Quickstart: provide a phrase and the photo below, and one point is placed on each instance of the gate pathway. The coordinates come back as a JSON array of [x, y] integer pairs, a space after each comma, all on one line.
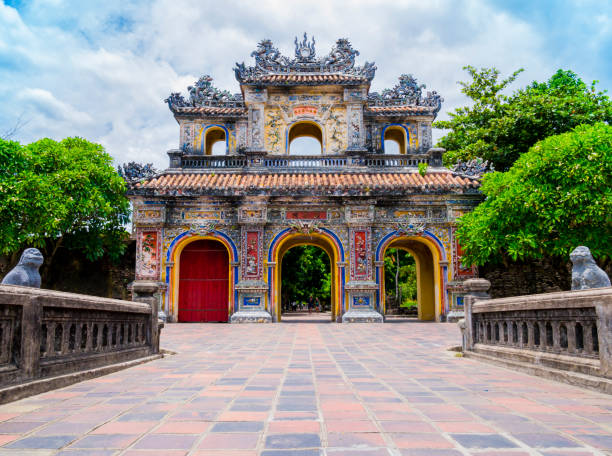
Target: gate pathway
[[311, 389]]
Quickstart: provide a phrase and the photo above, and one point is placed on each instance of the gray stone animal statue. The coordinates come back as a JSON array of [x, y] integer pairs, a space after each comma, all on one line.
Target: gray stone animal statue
[[26, 272], [585, 272]]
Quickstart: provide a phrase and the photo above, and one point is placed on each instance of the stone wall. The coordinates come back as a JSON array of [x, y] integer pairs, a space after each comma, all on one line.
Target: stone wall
[[531, 277], [74, 273]]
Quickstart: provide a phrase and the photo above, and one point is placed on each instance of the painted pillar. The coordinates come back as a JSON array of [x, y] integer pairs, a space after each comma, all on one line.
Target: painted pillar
[[361, 287], [251, 287]]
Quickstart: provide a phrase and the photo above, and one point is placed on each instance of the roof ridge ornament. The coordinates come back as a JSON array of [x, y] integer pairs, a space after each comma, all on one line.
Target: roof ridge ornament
[[268, 60], [204, 93], [304, 51], [406, 92]]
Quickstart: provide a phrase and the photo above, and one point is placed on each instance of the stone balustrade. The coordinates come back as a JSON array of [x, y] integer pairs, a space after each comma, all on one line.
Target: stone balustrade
[[45, 333], [570, 330], [306, 162]]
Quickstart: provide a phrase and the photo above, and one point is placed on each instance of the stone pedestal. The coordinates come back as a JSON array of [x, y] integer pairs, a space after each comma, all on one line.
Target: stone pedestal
[[251, 303], [361, 303]]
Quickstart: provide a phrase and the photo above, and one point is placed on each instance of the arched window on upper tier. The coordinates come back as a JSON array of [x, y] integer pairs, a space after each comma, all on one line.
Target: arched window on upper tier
[[215, 141], [395, 140], [305, 138]]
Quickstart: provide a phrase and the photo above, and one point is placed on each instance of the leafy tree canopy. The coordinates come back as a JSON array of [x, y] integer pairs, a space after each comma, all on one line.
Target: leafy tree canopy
[[556, 197], [499, 128], [63, 193]]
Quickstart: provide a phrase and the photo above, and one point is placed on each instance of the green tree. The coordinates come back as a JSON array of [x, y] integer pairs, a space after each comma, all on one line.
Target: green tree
[[500, 128], [61, 194], [555, 197]]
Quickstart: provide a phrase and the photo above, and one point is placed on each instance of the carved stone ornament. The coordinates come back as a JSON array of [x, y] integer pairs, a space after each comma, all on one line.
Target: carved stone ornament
[[268, 59], [26, 272], [203, 93], [305, 227], [410, 228], [585, 272], [204, 229], [406, 92], [474, 168], [133, 172]]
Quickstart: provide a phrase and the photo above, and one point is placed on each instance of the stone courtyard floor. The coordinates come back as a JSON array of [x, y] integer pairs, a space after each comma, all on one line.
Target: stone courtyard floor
[[311, 388]]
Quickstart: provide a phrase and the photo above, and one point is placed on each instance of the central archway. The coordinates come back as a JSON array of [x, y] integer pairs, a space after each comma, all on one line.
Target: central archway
[[288, 239]]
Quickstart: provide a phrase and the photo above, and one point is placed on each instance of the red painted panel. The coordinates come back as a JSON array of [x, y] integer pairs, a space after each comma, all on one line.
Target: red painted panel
[[203, 282]]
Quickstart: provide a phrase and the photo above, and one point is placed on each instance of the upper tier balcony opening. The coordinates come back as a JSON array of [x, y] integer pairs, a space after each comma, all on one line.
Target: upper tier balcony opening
[[305, 138], [215, 141], [395, 140]]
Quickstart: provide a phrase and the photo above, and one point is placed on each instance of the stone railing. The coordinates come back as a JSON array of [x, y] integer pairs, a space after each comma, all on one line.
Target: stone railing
[[570, 330], [46, 333], [295, 163]]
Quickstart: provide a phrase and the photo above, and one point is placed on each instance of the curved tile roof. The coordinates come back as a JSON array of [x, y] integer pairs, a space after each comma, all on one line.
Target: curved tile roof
[[311, 183]]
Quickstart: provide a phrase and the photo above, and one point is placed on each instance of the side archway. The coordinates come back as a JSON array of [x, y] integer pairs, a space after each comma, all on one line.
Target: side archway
[[428, 254], [326, 240], [173, 268]]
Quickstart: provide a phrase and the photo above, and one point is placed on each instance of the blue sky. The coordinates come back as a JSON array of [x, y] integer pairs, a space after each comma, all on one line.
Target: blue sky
[[101, 70]]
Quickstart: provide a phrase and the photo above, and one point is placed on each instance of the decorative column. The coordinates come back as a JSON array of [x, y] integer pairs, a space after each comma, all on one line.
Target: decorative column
[[148, 223], [251, 288], [361, 287], [255, 99], [355, 101]]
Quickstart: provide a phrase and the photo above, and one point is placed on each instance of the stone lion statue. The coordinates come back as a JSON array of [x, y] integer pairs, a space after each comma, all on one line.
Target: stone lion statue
[[26, 272], [585, 272]]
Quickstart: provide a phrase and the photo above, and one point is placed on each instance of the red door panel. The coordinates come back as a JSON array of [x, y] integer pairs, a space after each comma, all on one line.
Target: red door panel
[[203, 282]]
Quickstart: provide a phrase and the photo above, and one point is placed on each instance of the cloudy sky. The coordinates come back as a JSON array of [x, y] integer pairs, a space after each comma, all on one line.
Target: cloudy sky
[[101, 69]]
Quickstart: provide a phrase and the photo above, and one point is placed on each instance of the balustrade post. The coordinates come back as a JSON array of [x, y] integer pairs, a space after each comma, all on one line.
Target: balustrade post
[[476, 289], [31, 321], [146, 291], [530, 335], [588, 338], [604, 335], [556, 327]]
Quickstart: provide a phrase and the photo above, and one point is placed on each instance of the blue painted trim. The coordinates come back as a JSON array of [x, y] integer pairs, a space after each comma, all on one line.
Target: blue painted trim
[[203, 143], [187, 233], [382, 136], [429, 234]]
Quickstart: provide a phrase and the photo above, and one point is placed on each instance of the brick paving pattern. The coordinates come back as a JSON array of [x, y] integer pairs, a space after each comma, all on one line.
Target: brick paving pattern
[[311, 388]]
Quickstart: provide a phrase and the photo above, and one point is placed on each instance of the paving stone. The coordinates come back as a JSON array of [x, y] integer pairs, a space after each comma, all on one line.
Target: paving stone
[[542, 440], [287, 441], [50, 441], [483, 441], [238, 426], [166, 442]]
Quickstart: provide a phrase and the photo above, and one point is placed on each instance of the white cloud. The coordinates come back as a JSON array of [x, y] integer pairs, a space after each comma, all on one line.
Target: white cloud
[[101, 70]]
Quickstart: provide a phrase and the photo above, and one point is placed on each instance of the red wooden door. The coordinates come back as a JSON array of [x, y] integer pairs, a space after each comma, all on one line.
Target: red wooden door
[[203, 282]]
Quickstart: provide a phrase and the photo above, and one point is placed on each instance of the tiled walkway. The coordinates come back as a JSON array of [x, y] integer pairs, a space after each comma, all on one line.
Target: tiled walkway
[[311, 389]]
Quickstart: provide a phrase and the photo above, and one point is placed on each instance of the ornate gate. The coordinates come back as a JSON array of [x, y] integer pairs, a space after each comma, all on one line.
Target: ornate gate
[[203, 283]]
